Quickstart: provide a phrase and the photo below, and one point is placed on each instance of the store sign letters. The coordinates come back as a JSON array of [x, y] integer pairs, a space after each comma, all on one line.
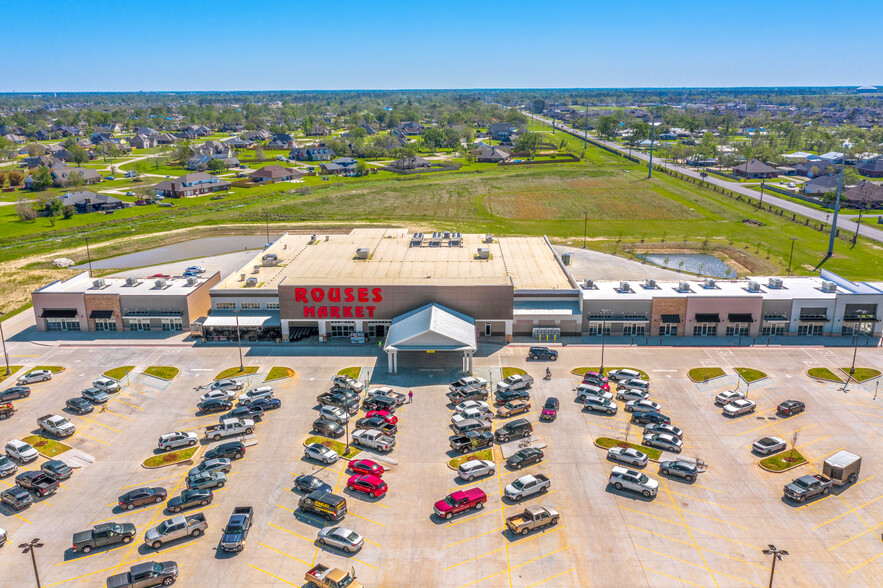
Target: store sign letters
[[350, 302]]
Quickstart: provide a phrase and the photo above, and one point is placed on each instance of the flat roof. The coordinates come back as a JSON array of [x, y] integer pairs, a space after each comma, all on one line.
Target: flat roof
[[393, 259], [793, 288], [83, 284]]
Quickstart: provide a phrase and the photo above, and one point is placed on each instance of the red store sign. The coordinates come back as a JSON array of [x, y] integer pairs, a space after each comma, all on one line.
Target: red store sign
[[344, 302]]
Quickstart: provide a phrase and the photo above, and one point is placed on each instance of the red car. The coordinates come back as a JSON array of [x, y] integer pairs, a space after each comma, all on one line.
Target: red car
[[366, 466], [370, 485], [596, 379], [165, 276], [386, 416], [460, 501]]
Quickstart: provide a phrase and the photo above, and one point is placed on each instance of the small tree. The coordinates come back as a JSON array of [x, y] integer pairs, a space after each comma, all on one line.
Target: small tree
[[68, 211], [259, 152], [25, 211], [42, 178], [2, 179], [75, 179], [15, 177], [35, 149], [78, 154], [216, 166]]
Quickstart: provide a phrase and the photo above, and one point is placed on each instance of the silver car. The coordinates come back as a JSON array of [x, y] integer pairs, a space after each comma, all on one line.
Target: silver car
[[217, 464], [663, 441], [475, 468], [682, 469], [728, 396], [664, 428], [321, 453], [740, 407], [7, 466], [768, 445], [227, 385], [342, 538], [598, 404], [632, 394], [333, 413], [35, 376], [628, 455], [642, 405], [623, 374]]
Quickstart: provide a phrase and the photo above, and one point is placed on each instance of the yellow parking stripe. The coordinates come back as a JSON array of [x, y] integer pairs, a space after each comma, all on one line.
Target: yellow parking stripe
[[514, 567], [313, 541], [106, 426], [733, 558], [364, 563], [460, 522], [365, 518], [274, 575], [133, 511], [861, 564], [729, 539], [740, 579], [93, 554], [128, 404], [673, 577], [695, 485], [475, 537], [701, 500], [651, 516], [813, 441], [689, 563], [689, 532], [82, 434], [475, 558], [660, 535], [77, 577], [285, 554], [116, 414], [284, 508], [551, 578], [371, 542], [850, 511], [142, 484]]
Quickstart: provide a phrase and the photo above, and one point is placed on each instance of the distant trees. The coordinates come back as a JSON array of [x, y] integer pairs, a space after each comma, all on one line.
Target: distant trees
[[78, 154], [16, 177], [2, 179], [42, 178], [25, 211], [35, 149], [216, 166], [607, 126], [75, 179], [528, 142]]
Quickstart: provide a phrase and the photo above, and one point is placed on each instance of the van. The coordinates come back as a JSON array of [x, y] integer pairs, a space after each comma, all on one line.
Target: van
[[624, 478], [634, 384], [329, 506]]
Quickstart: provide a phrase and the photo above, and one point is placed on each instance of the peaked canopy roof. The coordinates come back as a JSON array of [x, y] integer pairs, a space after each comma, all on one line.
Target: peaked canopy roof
[[431, 328]]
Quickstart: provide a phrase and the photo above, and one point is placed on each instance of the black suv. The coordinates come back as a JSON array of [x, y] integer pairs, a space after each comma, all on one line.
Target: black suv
[[380, 403], [537, 353], [214, 405], [229, 450], [516, 428], [328, 428], [508, 395]]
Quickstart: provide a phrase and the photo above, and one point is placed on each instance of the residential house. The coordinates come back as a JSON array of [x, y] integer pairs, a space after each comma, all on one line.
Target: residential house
[[143, 141], [212, 150], [668, 136], [369, 129], [282, 141], [320, 152], [16, 139], [259, 135], [60, 175], [166, 139], [196, 130], [815, 167], [872, 168], [67, 130], [821, 184], [98, 138], [233, 127], [109, 129], [85, 201], [755, 170], [408, 129], [501, 130], [275, 173], [64, 155], [865, 194], [47, 160], [490, 154], [42, 135], [318, 131], [147, 131], [191, 185], [415, 162], [239, 143], [331, 168]]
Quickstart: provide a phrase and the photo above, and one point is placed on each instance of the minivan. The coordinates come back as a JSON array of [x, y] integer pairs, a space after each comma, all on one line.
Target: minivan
[[537, 353], [624, 478]]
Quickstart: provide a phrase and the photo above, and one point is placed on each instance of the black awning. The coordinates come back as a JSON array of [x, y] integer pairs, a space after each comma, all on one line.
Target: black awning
[[814, 318], [776, 318], [708, 318], [671, 319], [59, 313], [101, 314], [735, 317]]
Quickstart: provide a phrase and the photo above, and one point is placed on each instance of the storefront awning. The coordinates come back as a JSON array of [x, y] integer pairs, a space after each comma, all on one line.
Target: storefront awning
[[671, 319], [708, 318], [776, 318], [247, 318], [101, 314], [59, 313], [431, 328], [735, 317], [526, 308]]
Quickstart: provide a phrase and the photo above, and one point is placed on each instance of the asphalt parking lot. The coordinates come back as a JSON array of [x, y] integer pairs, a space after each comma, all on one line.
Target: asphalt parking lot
[[707, 533]]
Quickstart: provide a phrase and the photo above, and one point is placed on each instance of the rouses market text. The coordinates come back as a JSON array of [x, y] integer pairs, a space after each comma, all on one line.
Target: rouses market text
[[314, 297]]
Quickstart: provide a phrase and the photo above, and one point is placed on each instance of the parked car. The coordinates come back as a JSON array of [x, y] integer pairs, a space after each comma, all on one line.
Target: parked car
[[217, 464], [538, 353], [515, 382], [309, 484], [106, 384], [513, 430], [628, 455], [265, 404], [533, 517], [663, 441], [476, 468], [550, 409], [102, 536], [468, 393], [510, 395], [17, 498], [664, 428], [56, 425], [632, 394], [236, 531], [350, 403], [806, 487], [524, 457], [683, 469], [623, 374], [248, 411], [146, 575], [206, 480], [769, 445], [348, 382], [791, 407], [328, 428], [463, 426], [385, 415], [141, 496], [728, 396], [190, 498], [513, 408], [650, 417], [636, 385], [228, 385], [255, 393], [174, 528], [14, 393], [168, 441], [342, 538], [623, 478], [7, 466], [740, 407], [95, 396], [459, 502], [18, 449], [79, 405], [334, 413], [7, 409], [227, 450], [598, 404], [526, 486], [321, 453], [37, 482], [214, 405], [596, 379], [471, 441], [367, 484], [224, 394], [35, 376], [322, 576], [642, 406], [389, 394], [467, 382], [366, 466], [195, 269], [473, 412], [373, 439], [57, 469], [584, 391], [325, 504]]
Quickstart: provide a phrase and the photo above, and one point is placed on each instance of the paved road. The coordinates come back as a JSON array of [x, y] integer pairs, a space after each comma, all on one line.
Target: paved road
[[842, 223]]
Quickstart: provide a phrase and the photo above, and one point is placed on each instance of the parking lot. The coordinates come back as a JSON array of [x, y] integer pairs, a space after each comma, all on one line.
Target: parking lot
[[707, 533]]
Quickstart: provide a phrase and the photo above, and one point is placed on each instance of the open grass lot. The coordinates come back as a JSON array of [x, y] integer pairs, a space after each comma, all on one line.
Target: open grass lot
[[783, 461], [235, 372], [750, 374], [278, 373], [702, 374], [48, 448], [171, 458], [823, 374], [862, 374]]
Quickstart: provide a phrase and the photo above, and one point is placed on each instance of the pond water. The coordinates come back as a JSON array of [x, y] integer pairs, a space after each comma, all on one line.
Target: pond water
[[204, 247], [694, 263]]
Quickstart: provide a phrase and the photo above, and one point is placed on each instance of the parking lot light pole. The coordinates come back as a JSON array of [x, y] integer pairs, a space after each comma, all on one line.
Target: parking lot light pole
[[604, 314], [30, 547], [791, 256], [239, 341], [88, 256], [3, 340], [585, 227], [777, 554]]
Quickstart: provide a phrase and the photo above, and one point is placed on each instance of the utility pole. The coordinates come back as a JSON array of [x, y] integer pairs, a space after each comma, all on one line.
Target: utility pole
[[585, 228], [604, 313], [586, 129], [837, 205], [762, 183], [790, 257], [3, 340], [267, 219], [652, 138], [30, 547], [777, 554], [89, 256], [858, 225]]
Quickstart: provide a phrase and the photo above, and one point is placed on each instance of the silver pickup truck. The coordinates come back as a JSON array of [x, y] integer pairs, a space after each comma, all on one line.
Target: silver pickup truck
[[175, 528]]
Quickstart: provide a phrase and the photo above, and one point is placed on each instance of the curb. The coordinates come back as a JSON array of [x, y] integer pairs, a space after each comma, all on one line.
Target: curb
[[595, 442], [189, 459], [823, 380]]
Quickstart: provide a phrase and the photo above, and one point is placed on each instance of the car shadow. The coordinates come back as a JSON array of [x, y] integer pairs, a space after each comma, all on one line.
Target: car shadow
[[622, 464], [679, 479], [68, 410], [361, 497], [636, 496], [145, 549], [312, 520], [221, 554], [71, 555], [335, 550]]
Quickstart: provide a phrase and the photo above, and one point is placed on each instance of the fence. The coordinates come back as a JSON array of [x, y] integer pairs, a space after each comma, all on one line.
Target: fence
[[559, 158], [423, 170]]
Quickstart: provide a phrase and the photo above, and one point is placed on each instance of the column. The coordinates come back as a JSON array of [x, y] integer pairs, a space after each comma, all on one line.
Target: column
[[323, 328], [285, 330], [360, 326], [390, 363], [395, 361], [509, 328], [470, 362]]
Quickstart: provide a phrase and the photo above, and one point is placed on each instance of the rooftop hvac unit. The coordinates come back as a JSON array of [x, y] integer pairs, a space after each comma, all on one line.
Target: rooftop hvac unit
[[99, 283], [589, 284], [709, 283], [435, 242], [447, 234], [362, 253], [457, 235], [241, 277], [625, 287], [192, 280], [256, 269], [437, 235], [683, 286], [650, 284], [270, 259], [565, 258], [454, 242], [418, 236], [130, 281], [754, 286], [775, 283], [327, 237], [314, 238], [160, 283], [829, 286], [251, 282], [484, 253], [488, 238]]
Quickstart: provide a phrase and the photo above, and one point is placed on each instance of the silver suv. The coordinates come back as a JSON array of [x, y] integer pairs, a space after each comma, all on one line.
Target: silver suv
[[475, 468], [623, 478]]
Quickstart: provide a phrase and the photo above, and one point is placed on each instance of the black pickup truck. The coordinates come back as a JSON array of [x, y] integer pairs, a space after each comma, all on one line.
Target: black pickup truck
[[471, 441], [37, 482]]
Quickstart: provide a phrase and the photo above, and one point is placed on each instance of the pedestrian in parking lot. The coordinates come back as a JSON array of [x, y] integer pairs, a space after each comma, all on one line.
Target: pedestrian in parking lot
[[410, 396]]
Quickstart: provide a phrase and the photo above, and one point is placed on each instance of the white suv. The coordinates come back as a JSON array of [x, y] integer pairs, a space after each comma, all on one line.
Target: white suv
[[475, 468], [633, 480], [178, 439], [255, 393], [634, 384], [321, 453], [106, 384], [18, 449], [586, 390]]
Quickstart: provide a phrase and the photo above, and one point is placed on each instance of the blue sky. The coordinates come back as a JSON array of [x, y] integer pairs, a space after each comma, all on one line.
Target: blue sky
[[269, 45]]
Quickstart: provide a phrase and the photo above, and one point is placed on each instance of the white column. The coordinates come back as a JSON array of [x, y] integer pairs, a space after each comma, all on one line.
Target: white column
[[395, 361], [360, 326], [390, 367], [509, 326], [323, 328], [285, 331]]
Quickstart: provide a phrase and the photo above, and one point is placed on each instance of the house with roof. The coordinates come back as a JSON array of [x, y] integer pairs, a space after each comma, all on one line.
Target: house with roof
[[67, 130], [872, 168], [275, 173], [85, 201], [109, 128], [209, 150], [16, 139], [42, 135], [166, 139], [320, 152], [501, 130], [61, 175], [490, 154], [821, 184], [408, 129], [865, 194], [148, 131], [815, 167], [318, 131], [330, 168], [192, 184], [282, 141], [755, 170], [415, 162], [143, 141], [239, 143], [99, 138], [47, 160], [259, 135]]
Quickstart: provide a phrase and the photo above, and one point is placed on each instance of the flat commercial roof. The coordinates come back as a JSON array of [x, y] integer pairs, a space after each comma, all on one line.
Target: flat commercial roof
[[83, 284], [792, 288], [524, 262]]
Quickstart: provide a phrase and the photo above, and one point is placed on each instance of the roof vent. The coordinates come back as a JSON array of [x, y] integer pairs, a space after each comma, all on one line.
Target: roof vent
[[484, 253], [625, 287], [435, 241], [241, 277], [650, 284], [775, 283], [589, 284], [362, 253], [829, 286], [131, 281], [192, 280], [754, 286], [488, 238], [709, 284], [447, 235], [270, 259], [256, 269], [99, 283], [161, 283], [683, 286]]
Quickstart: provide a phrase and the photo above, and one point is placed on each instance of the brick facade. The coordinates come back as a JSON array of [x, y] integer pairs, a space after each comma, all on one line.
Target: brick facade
[[663, 306], [103, 302]]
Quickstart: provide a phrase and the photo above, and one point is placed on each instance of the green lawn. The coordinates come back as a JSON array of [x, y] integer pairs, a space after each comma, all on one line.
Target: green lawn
[[338, 446], [12, 370], [55, 369], [164, 372], [862, 374], [278, 373], [165, 459], [513, 371], [824, 374], [118, 373], [706, 373], [607, 443], [487, 454], [750, 374], [48, 448], [352, 372], [580, 371], [234, 372], [783, 461]]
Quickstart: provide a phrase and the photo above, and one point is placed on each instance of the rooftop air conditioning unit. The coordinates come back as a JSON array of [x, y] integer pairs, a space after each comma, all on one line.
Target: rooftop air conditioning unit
[[683, 286], [256, 269], [484, 253], [754, 286], [625, 287], [99, 283], [160, 283], [589, 284], [314, 238], [251, 282], [775, 283], [447, 234], [650, 284], [829, 286], [488, 238], [131, 281], [362, 253], [241, 277], [709, 283], [192, 280]]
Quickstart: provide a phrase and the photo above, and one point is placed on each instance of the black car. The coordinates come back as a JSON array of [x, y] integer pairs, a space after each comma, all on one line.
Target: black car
[[524, 457], [650, 416], [537, 353], [265, 403], [79, 405], [380, 403], [244, 412], [214, 405], [309, 484], [189, 499], [328, 428], [791, 407], [16, 497], [15, 393], [509, 395], [513, 429], [141, 496], [229, 450], [378, 423], [57, 469]]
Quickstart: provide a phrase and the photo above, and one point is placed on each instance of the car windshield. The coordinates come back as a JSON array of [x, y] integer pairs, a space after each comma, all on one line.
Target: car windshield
[[25, 447], [352, 536], [801, 483], [518, 484], [234, 528], [345, 581], [163, 527], [642, 479]]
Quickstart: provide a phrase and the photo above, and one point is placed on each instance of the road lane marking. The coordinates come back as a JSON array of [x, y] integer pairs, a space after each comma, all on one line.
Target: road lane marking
[[475, 537], [312, 541], [673, 577], [551, 577], [285, 554], [274, 575], [861, 564], [701, 500]]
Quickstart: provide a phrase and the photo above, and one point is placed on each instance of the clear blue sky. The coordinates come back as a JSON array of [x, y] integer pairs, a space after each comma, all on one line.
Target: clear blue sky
[[78, 45]]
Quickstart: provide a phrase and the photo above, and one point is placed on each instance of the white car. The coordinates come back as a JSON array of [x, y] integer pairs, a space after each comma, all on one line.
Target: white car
[[475, 468], [740, 406], [628, 395], [623, 374], [18, 449], [35, 376], [623, 478], [479, 404], [664, 428], [333, 413], [628, 455], [663, 441], [728, 396], [586, 390], [458, 419], [768, 445], [473, 413], [228, 385], [642, 405], [255, 393], [106, 384], [221, 394], [177, 439], [321, 453], [598, 404]]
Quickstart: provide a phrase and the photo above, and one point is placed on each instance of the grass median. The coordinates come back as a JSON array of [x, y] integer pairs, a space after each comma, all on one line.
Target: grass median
[[55, 369], [705, 373], [118, 373], [862, 374], [235, 372], [279, 373], [163, 372], [12, 370], [48, 448], [783, 461], [352, 372], [513, 371], [337, 446], [580, 371], [823, 374], [607, 443], [166, 459], [750, 374], [487, 454]]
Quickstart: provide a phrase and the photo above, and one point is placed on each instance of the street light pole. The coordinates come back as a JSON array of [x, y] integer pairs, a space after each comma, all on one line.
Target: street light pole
[[3, 340], [652, 138], [585, 228], [837, 206], [30, 547], [762, 183], [604, 313], [239, 341], [89, 256], [791, 256], [777, 554]]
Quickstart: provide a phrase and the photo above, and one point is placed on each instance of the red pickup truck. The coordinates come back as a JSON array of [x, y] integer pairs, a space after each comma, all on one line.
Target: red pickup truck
[[460, 501]]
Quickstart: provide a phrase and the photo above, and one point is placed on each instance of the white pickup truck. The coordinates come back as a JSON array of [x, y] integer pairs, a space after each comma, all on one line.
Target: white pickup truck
[[175, 528], [57, 425], [527, 486], [229, 428], [515, 382], [374, 439]]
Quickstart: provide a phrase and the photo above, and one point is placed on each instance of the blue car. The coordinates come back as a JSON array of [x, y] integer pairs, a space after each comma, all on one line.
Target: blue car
[[309, 484], [266, 403]]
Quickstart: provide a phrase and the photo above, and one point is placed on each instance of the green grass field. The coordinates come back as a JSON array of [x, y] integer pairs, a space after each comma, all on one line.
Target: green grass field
[[607, 443], [235, 372], [822, 373], [750, 374], [118, 373], [702, 374], [163, 372]]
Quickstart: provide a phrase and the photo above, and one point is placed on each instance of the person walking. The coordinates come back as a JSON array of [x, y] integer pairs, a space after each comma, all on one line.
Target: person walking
[[410, 396]]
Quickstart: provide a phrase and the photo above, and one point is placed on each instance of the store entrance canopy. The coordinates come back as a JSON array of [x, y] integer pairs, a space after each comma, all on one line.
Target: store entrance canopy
[[255, 318], [431, 328]]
